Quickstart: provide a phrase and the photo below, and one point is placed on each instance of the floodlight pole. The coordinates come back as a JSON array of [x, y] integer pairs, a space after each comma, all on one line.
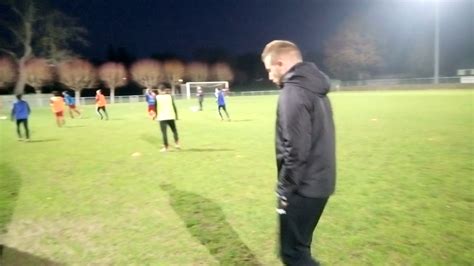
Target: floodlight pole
[[436, 44]]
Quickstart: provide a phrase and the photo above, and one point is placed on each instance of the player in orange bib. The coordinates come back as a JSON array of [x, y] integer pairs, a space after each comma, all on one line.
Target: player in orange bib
[[100, 104], [57, 106]]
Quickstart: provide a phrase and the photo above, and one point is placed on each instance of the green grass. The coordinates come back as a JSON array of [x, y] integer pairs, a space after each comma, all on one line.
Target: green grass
[[76, 195]]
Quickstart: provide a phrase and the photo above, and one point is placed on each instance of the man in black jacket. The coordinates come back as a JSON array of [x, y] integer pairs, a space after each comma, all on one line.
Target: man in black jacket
[[305, 148]]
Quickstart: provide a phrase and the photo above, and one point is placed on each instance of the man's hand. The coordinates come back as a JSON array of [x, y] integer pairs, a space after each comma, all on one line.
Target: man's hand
[[282, 204], [283, 201]]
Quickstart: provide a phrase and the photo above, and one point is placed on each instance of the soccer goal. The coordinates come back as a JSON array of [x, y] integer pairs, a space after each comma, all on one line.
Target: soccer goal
[[207, 87]]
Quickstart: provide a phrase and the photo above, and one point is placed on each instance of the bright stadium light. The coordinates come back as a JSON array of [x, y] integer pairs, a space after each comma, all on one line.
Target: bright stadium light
[[436, 40], [436, 43]]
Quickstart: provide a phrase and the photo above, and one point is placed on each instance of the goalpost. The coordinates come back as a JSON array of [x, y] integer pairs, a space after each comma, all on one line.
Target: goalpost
[[206, 86]]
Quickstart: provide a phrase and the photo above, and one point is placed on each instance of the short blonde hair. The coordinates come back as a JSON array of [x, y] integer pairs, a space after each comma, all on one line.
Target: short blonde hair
[[279, 47]]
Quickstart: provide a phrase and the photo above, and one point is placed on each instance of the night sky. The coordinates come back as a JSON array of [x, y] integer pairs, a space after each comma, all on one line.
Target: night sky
[[146, 27]]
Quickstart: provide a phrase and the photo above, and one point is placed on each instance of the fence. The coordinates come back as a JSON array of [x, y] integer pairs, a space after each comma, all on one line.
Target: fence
[[390, 82], [42, 100]]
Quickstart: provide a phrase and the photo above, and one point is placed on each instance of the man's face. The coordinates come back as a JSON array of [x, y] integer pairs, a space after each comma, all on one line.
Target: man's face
[[274, 69]]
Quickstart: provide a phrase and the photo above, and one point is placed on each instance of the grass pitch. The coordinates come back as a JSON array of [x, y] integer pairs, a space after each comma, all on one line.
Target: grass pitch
[[100, 192]]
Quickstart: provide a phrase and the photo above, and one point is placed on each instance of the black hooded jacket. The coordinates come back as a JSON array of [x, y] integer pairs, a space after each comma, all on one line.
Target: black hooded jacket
[[305, 137]]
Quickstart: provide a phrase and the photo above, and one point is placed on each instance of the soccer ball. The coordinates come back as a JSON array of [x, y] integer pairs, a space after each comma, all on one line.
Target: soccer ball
[[194, 108]]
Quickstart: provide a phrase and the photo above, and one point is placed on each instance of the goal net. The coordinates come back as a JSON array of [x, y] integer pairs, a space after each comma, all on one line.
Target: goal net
[[208, 87]]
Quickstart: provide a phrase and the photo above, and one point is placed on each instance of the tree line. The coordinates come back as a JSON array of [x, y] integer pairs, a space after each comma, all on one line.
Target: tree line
[[78, 74], [38, 51]]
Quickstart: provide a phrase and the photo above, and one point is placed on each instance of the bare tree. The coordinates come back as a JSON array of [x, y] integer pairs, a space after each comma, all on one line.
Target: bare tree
[[222, 71], [113, 75], [174, 71], [77, 74], [38, 73], [147, 72], [197, 71], [57, 31], [27, 24], [352, 52], [8, 72], [22, 31]]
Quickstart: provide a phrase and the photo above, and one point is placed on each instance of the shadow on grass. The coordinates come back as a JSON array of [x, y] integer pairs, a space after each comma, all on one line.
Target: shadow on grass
[[10, 183], [203, 150], [206, 221], [42, 140], [152, 139], [11, 256], [155, 140], [241, 120]]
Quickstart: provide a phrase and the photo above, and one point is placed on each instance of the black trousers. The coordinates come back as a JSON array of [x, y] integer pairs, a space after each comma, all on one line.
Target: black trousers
[[225, 110], [297, 227], [25, 126], [98, 109], [200, 103], [163, 126]]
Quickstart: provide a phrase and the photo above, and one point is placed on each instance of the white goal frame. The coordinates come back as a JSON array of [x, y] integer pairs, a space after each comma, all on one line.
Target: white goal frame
[[188, 85]]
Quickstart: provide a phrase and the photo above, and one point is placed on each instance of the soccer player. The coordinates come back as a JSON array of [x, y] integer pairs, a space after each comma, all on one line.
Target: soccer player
[[20, 112], [57, 106], [220, 94], [166, 116], [200, 95], [150, 98], [100, 104], [71, 103]]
